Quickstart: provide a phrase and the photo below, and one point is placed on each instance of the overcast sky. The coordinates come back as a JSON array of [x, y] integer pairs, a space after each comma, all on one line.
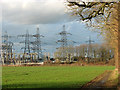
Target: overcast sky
[[49, 15]]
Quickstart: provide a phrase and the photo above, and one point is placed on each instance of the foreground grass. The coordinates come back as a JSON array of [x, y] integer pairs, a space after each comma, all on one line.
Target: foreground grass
[[50, 76]]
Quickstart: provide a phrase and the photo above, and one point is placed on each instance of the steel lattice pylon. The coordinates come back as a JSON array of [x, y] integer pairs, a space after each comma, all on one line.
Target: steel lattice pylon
[[37, 44], [7, 47], [64, 41], [26, 42], [89, 52]]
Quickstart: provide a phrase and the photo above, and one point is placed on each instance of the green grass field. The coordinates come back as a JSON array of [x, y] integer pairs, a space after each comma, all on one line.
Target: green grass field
[[50, 76]]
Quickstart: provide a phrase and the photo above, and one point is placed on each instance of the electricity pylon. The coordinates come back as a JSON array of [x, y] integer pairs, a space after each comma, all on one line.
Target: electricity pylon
[[89, 52], [7, 47], [37, 44], [64, 42], [26, 42]]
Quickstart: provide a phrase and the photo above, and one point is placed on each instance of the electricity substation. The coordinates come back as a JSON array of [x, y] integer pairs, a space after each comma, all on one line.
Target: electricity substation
[[32, 49]]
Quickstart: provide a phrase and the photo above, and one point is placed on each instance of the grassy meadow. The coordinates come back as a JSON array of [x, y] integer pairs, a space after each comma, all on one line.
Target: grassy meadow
[[50, 76]]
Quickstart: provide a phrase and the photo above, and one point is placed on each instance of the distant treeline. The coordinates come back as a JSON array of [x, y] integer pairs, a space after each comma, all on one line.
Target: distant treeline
[[89, 53]]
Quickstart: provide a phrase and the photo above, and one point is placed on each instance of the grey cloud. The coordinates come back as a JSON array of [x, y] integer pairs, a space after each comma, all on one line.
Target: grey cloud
[[35, 12]]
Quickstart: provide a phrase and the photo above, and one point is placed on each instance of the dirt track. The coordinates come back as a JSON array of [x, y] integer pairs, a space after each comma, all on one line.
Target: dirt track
[[102, 82]]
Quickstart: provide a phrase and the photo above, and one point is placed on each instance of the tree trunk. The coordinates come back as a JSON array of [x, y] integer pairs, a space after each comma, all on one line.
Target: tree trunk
[[119, 44]]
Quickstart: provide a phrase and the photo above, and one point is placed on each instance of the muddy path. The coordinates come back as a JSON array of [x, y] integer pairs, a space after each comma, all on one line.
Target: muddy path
[[105, 81]]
